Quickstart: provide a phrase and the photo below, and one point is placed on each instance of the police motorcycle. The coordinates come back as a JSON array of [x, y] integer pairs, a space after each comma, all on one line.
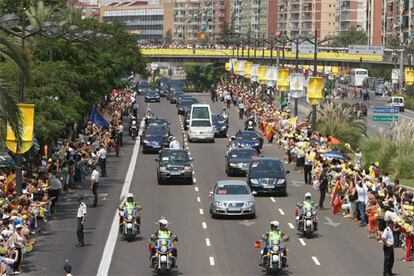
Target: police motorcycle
[[306, 218], [129, 226], [250, 124], [148, 116], [273, 255], [225, 115], [163, 251], [133, 128]]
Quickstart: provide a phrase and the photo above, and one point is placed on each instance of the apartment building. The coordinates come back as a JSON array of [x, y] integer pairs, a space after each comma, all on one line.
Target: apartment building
[[90, 8], [254, 18], [150, 20], [399, 20], [307, 17], [199, 19]]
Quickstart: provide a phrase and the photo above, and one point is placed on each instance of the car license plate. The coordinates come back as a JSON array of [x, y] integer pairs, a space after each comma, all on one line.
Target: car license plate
[[176, 173], [234, 209], [163, 258], [268, 186]]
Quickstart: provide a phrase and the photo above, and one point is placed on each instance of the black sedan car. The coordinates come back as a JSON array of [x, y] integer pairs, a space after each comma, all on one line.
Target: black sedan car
[[152, 97], [164, 91], [249, 139], [174, 164], [154, 138], [266, 175], [238, 160], [185, 98], [175, 95], [220, 126], [184, 107], [158, 121], [142, 87]]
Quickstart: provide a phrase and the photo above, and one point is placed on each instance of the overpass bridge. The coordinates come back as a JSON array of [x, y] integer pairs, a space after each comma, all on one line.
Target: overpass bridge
[[326, 58]]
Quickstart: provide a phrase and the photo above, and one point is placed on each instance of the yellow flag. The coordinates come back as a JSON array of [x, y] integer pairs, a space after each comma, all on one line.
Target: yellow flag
[[409, 76], [335, 70], [27, 111], [283, 80], [227, 66], [247, 67], [315, 90], [292, 121], [262, 74]]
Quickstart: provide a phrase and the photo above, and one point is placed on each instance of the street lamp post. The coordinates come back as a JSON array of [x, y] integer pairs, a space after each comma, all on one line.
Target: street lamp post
[[255, 48], [296, 40], [263, 49], [248, 48]]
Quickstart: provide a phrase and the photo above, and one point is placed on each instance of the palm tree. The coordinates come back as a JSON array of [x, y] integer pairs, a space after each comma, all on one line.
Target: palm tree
[[9, 112], [40, 13], [342, 122]]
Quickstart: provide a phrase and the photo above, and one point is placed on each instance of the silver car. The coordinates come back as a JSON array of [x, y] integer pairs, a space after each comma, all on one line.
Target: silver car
[[232, 198]]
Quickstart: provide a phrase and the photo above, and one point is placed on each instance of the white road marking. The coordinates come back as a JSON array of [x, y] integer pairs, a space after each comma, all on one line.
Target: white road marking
[[106, 259], [195, 181], [302, 242], [195, 188], [208, 242], [201, 211], [212, 263], [273, 199], [291, 226], [281, 212], [204, 225], [198, 199], [316, 260]]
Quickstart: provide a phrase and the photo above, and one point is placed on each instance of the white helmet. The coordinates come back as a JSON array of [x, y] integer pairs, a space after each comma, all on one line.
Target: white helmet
[[163, 222], [130, 195], [308, 195], [274, 223]]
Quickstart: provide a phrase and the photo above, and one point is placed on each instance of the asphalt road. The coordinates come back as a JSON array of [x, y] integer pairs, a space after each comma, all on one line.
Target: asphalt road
[[206, 246]]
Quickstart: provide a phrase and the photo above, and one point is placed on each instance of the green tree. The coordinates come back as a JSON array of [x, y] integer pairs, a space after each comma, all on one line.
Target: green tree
[[168, 39], [350, 37], [40, 13]]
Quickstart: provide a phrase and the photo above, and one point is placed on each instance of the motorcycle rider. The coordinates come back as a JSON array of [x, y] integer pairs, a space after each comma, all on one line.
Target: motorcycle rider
[[233, 142], [224, 114], [163, 233], [174, 144], [131, 124], [307, 204], [250, 119], [130, 203], [148, 115], [275, 235]]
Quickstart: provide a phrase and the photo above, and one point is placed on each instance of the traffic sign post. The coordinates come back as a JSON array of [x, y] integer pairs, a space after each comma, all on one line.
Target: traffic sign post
[[365, 50], [385, 114], [304, 47]]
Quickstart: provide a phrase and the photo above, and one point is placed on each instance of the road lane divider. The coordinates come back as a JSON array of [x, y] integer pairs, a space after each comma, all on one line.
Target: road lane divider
[[201, 211], [198, 199], [108, 252], [315, 260], [211, 259], [291, 226], [273, 199], [281, 212], [208, 244], [302, 242], [204, 225]]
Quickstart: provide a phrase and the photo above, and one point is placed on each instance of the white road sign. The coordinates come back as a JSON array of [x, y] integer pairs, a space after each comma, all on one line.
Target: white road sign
[[304, 48], [365, 50]]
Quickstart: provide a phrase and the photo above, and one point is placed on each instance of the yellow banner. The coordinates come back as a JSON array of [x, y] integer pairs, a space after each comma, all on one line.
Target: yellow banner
[[262, 74], [236, 67], [319, 68], [227, 66], [409, 76], [247, 67], [315, 90], [27, 111], [283, 80], [335, 70]]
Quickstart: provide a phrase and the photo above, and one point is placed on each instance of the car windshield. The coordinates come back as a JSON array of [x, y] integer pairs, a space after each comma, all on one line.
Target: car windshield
[[174, 157], [186, 103], [154, 131], [243, 154], [200, 123], [143, 85], [200, 112], [229, 189], [266, 167], [217, 118], [246, 136], [152, 93], [158, 121]]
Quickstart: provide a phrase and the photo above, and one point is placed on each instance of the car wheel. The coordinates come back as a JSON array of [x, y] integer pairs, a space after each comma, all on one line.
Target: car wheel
[[212, 140], [213, 215], [284, 193], [189, 139], [160, 181], [252, 216]]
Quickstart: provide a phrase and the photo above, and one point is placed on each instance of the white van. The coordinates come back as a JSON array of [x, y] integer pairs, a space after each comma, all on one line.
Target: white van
[[200, 127], [398, 102], [357, 76]]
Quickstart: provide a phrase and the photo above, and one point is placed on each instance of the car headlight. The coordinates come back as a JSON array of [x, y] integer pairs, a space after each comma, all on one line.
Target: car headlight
[[163, 249], [233, 165], [275, 248], [163, 169], [308, 214], [219, 203], [129, 217], [254, 181], [145, 141], [223, 127], [256, 144], [249, 203], [280, 181], [187, 168]]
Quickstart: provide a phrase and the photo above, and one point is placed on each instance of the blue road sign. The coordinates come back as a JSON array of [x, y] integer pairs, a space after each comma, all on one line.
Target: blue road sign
[[387, 110]]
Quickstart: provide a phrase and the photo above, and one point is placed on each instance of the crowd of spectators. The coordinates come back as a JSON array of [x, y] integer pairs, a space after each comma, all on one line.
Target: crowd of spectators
[[359, 191], [62, 168]]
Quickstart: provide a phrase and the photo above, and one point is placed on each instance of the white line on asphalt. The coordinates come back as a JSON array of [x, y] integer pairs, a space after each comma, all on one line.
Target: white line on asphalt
[[302, 242], [204, 225], [113, 232], [189, 153], [281, 212], [291, 226], [316, 260], [195, 188], [273, 199], [212, 263], [208, 242], [198, 199], [193, 172], [201, 211], [195, 181]]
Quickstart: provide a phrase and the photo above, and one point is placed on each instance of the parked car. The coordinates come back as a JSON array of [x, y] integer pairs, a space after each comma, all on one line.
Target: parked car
[[174, 165]]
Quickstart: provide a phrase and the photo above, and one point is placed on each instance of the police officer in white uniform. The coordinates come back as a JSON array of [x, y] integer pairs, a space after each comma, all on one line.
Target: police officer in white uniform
[[81, 217]]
